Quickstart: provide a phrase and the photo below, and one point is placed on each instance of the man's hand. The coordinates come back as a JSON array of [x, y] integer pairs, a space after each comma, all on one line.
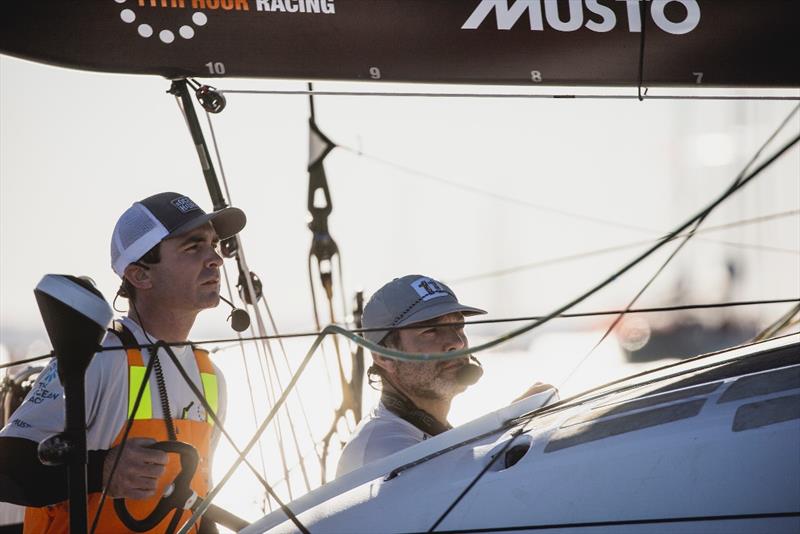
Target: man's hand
[[137, 472], [538, 387]]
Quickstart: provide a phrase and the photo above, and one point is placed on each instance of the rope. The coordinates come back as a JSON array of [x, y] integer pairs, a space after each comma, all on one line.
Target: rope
[[262, 329], [739, 181], [525, 419], [128, 425], [736, 182], [326, 252], [268, 385], [583, 398], [454, 354], [218, 423], [247, 375], [617, 248], [787, 320], [643, 19], [658, 309], [407, 94]]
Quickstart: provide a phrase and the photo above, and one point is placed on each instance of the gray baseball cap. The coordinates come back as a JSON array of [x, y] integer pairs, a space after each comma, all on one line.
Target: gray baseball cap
[[414, 298]]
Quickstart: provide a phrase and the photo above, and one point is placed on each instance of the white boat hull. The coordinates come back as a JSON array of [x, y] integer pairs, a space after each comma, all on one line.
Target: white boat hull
[[715, 449]]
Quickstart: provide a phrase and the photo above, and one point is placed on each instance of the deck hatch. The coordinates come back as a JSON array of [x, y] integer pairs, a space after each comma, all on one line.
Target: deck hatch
[[762, 384], [594, 430], [636, 403], [767, 412]]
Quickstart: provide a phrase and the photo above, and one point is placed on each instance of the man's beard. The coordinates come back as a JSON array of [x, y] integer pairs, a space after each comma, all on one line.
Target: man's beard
[[437, 382]]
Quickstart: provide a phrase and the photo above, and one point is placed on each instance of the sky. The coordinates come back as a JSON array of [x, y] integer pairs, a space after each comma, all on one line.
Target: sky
[[452, 188], [501, 183]]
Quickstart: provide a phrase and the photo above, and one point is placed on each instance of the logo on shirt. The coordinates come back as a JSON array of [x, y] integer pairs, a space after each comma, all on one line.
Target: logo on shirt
[[19, 423]]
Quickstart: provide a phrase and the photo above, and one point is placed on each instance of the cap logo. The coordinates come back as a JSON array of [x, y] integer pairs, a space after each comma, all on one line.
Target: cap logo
[[428, 288], [184, 204]]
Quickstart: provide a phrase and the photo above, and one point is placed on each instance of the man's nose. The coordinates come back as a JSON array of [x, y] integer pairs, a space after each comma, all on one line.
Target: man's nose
[[456, 340], [214, 260]]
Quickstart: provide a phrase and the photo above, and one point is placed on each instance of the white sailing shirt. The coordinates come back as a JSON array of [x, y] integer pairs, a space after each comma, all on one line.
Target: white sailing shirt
[[382, 433], [378, 435], [41, 415]]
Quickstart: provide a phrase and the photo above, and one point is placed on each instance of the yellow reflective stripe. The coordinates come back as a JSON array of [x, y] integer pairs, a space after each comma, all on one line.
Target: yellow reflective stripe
[[211, 392], [135, 379]]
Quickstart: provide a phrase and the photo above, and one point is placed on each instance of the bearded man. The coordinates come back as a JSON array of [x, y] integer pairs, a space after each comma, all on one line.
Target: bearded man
[[415, 395]]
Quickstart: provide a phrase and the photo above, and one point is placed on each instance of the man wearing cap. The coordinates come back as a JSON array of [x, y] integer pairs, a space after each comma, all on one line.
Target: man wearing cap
[[165, 250], [415, 396]]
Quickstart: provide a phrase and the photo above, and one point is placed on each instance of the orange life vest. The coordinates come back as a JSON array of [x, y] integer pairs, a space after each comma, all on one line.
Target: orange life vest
[[54, 519]]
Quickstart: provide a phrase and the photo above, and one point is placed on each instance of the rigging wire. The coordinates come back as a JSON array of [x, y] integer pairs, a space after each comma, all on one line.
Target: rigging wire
[[630, 304], [247, 377], [151, 363], [230, 297], [787, 320], [50, 354], [657, 309], [326, 248], [498, 196], [283, 396], [500, 454], [292, 431], [737, 180], [519, 331], [262, 330], [128, 425], [207, 407], [318, 326], [280, 337], [356, 382], [329, 266], [407, 94], [298, 397], [375, 348], [597, 252], [268, 386], [492, 194], [270, 390], [218, 199], [539, 207], [741, 179], [643, 18], [584, 397]]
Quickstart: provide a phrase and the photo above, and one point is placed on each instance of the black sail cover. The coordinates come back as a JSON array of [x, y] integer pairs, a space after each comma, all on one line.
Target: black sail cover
[[733, 43]]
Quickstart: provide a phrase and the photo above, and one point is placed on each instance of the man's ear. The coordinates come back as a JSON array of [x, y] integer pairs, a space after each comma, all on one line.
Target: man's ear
[[387, 364], [138, 276]]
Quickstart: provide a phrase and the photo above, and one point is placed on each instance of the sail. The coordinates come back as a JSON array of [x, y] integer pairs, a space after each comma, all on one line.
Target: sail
[[735, 43]]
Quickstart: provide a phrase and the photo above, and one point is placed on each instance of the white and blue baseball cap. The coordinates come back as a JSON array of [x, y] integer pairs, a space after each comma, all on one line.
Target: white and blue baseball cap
[[148, 222]]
